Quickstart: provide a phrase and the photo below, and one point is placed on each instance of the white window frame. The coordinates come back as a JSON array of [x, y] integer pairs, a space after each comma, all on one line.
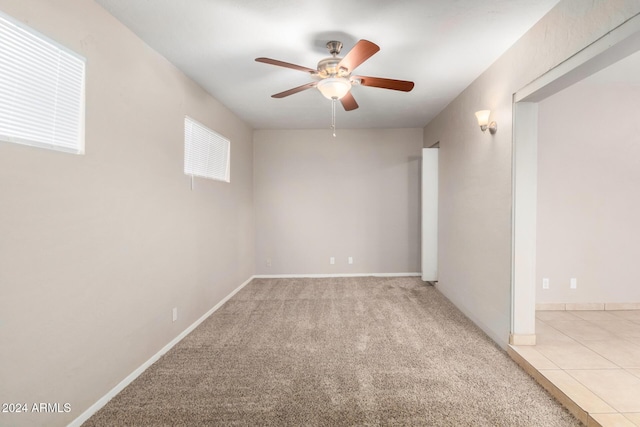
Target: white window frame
[[207, 154], [42, 90]]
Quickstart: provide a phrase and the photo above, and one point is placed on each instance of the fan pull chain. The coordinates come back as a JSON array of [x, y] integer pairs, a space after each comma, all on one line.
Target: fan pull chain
[[333, 115]]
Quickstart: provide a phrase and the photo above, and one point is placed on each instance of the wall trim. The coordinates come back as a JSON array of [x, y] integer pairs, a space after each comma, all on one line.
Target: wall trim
[[519, 339], [135, 374], [561, 306], [458, 302], [301, 276]]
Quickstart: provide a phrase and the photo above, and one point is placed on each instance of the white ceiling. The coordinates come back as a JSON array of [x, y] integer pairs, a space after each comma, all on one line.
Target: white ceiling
[[441, 45]]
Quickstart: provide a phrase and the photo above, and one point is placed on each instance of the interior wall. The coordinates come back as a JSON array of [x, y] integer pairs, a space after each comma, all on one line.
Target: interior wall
[[357, 195], [475, 178], [588, 203], [96, 250]]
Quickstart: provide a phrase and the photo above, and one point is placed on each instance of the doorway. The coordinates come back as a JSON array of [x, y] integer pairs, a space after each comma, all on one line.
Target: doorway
[[609, 49]]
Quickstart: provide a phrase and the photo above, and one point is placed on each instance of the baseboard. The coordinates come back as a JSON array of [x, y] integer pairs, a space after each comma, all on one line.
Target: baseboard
[[551, 306], [520, 339], [301, 276], [459, 303], [588, 306], [622, 306], [135, 374]]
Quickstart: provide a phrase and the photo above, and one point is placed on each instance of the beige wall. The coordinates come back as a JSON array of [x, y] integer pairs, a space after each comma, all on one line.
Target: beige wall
[[356, 195], [475, 168], [96, 250], [588, 200]]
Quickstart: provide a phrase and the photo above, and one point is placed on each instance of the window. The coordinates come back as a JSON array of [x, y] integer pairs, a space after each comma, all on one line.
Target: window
[[41, 90], [206, 153]]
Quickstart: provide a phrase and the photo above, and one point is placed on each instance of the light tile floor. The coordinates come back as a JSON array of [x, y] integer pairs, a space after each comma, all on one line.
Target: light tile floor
[[590, 361]]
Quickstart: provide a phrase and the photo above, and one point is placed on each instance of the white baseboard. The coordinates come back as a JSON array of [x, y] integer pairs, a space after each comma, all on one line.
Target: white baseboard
[[622, 306], [301, 276], [520, 339], [135, 374], [588, 306]]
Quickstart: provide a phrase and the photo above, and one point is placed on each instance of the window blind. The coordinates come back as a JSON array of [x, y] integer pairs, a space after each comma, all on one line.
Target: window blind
[[206, 153], [42, 88]]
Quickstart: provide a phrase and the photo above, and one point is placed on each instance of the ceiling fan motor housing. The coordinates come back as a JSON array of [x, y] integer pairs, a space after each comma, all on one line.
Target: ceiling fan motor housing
[[328, 67]]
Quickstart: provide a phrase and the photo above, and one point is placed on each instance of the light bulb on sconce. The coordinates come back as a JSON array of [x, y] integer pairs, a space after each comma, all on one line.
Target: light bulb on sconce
[[483, 121]]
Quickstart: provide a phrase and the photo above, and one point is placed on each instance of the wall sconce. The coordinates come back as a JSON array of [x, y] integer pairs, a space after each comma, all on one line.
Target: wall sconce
[[483, 121]]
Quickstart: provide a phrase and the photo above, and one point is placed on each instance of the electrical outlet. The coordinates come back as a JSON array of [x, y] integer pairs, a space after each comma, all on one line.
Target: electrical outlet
[[268, 262], [332, 260], [350, 260], [545, 283], [573, 284], [175, 313]]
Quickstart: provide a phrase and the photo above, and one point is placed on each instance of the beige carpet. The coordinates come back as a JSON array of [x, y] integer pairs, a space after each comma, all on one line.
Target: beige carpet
[[332, 352]]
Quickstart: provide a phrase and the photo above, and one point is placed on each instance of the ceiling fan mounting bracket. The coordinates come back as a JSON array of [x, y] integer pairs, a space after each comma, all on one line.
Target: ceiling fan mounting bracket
[[334, 47]]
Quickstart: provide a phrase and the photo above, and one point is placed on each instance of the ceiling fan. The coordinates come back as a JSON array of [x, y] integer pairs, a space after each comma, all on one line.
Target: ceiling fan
[[333, 74]]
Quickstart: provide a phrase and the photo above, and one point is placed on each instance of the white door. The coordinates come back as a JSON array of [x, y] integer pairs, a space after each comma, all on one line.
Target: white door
[[430, 214]]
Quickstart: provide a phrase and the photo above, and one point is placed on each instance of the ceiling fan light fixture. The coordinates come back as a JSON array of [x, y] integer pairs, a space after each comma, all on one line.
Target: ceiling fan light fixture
[[334, 87]]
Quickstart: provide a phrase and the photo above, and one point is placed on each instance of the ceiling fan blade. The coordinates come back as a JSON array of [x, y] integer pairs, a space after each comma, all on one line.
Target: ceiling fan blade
[[348, 102], [392, 84], [362, 51], [286, 65], [294, 90]]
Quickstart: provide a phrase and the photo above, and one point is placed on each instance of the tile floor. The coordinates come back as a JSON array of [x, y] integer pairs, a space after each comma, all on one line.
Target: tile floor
[[589, 360]]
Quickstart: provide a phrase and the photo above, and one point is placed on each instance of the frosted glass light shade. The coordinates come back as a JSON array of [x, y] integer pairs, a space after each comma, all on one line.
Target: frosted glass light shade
[[483, 121], [483, 117], [334, 87]]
